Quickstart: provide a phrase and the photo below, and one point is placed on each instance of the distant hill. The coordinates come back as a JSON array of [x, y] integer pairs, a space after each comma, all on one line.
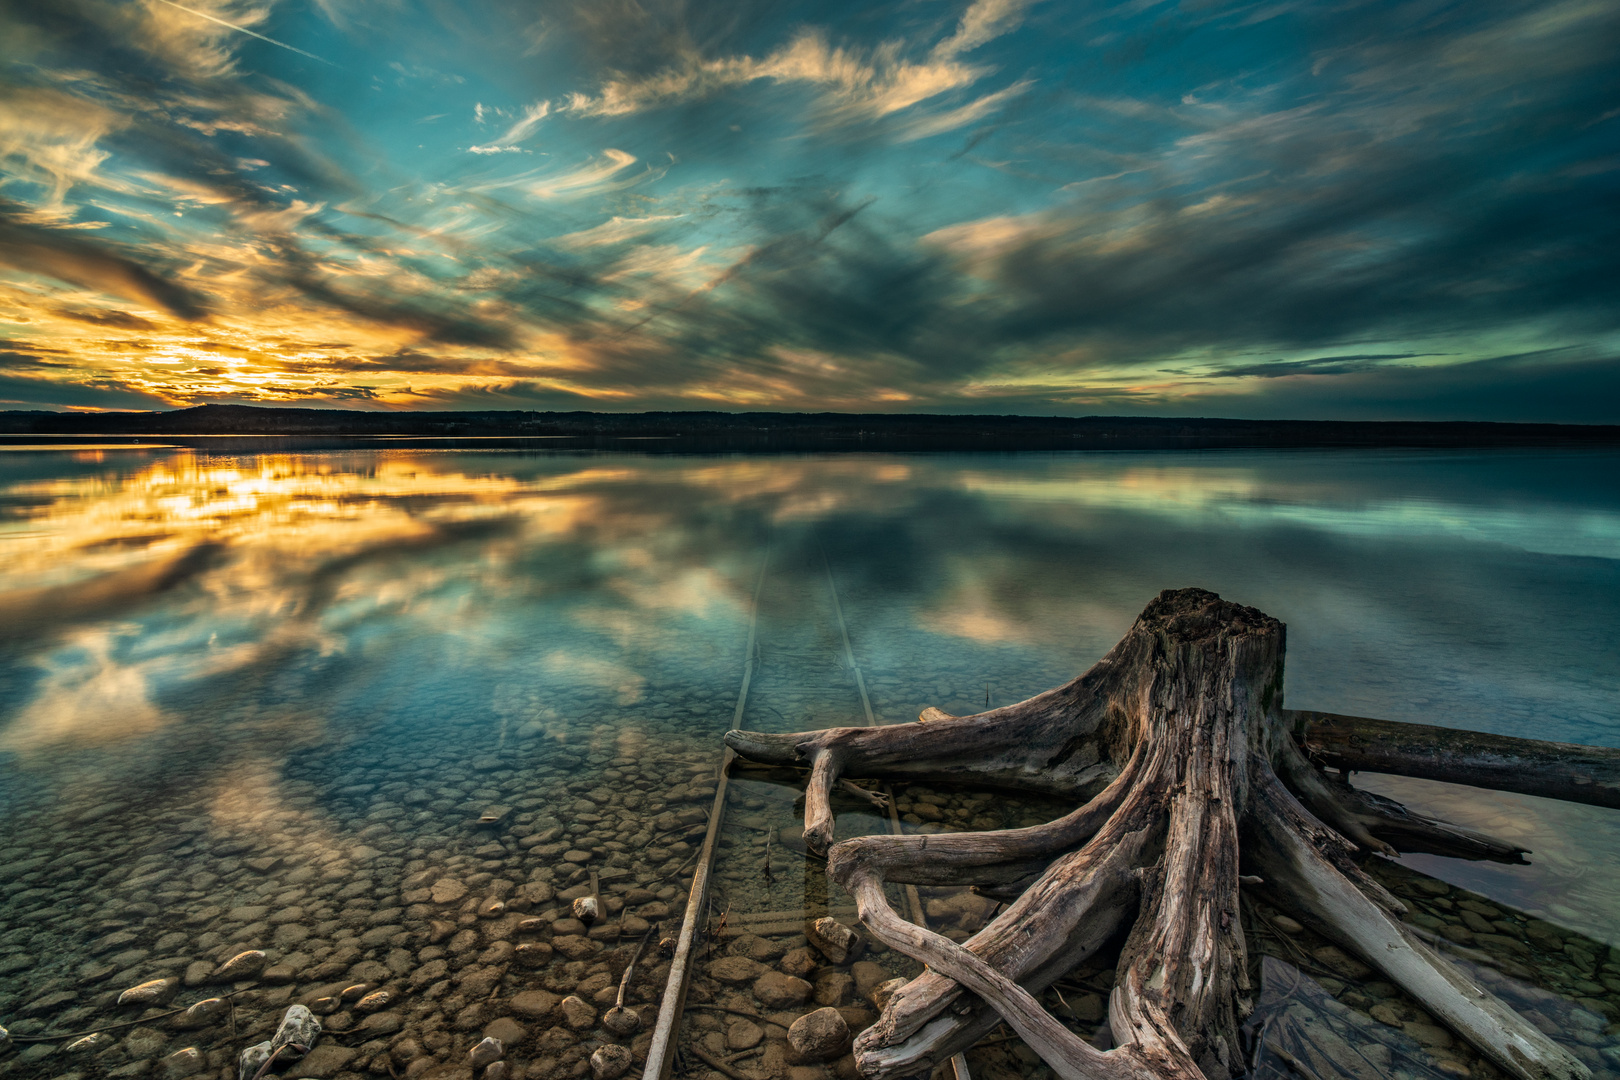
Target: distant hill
[[708, 431]]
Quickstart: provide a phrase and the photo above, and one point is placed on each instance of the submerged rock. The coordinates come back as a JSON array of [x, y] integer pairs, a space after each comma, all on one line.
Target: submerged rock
[[448, 891], [89, 1044], [610, 1062], [377, 999], [799, 962], [533, 954], [534, 1004], [244, 965], [819, 1036], [622, 1022], [251, 1060], [837, 942], [781, 991], [488, 1051], [155, 992], [202, 1014], [185, 1062], [296, 1034], [577, 1013], [743, 1035]]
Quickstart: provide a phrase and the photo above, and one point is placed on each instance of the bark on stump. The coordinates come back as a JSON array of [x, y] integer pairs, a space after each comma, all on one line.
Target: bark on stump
[[1189, 783]]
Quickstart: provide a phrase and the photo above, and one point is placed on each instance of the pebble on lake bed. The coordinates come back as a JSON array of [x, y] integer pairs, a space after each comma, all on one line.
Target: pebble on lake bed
[[202, 1014], [252, 1059], [488, 1051], [819, 1036], [186, 1062], [577, 1013], [837, 942], [244, 965], [296, 1033], [621, 1021], [89, 1044], [377, 999], [610, 1062], [155, 992]]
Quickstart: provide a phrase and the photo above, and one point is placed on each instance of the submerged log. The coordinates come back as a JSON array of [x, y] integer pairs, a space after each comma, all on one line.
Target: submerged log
[[1187, 777]]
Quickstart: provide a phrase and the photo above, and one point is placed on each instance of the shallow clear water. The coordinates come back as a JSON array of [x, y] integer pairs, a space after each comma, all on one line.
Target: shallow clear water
[[261, 700]]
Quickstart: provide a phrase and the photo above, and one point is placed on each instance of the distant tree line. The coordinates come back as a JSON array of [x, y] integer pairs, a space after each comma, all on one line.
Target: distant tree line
[[687, 431]]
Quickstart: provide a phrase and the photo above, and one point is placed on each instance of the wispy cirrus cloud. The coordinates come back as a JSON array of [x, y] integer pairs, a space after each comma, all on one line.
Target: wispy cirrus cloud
[[615, 230], [527, 123], [638, 203], [851, 85]]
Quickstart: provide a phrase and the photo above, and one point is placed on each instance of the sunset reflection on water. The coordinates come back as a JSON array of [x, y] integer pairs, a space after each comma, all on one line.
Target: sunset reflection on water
[[152, 599]]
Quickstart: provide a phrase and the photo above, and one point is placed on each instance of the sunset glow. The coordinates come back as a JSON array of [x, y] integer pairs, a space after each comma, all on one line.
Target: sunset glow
[[1378, 211]]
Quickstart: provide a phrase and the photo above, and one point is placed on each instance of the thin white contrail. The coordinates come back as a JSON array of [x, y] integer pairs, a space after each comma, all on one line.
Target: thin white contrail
[[245, 30]]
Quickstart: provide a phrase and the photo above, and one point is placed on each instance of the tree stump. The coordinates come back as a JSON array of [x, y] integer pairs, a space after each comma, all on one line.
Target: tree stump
[[1189, 785]]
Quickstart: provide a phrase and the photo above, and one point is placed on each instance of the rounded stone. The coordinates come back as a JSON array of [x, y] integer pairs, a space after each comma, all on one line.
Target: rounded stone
[[610, 1062], [89, 1044], [734, 970], [155, 992], [819, 1036], [577, 1013], [533, 954], [447, 891], [244, 965], [621, 1022], [201, 1014], [506, 1030], [743, 1035], [185, 1062], [487, 1051], [534, 1004], [779, 991]]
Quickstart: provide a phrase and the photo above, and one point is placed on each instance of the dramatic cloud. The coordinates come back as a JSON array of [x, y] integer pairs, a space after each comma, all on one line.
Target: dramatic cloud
[[1003, 205]]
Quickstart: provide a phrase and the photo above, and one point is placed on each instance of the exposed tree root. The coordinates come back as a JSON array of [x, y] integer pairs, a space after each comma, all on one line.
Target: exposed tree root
[[1184, 764]]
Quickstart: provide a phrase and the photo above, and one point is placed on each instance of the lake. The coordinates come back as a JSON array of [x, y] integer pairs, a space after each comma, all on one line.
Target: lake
[[264, 699]]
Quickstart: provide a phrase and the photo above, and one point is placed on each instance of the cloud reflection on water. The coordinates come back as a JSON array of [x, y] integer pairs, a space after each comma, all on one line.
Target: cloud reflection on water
[[186, 618], [125, 583]]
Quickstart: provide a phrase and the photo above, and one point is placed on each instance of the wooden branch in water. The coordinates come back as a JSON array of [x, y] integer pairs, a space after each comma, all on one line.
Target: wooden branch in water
[[661, 1051], [660, 1054], [1564, 771], [719, 1066]]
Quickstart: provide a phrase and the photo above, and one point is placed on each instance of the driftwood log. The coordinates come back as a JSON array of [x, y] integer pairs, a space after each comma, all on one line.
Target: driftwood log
[[1191, 780]]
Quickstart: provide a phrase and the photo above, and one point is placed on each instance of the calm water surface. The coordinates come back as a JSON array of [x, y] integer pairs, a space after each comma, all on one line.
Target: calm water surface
[[262, 699]]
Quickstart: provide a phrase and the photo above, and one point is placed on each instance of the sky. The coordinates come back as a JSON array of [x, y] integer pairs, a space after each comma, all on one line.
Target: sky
[[1356, 209]]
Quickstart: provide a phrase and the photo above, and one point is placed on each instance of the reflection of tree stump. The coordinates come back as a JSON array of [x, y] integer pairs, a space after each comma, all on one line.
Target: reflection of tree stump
[[1183, 759]]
